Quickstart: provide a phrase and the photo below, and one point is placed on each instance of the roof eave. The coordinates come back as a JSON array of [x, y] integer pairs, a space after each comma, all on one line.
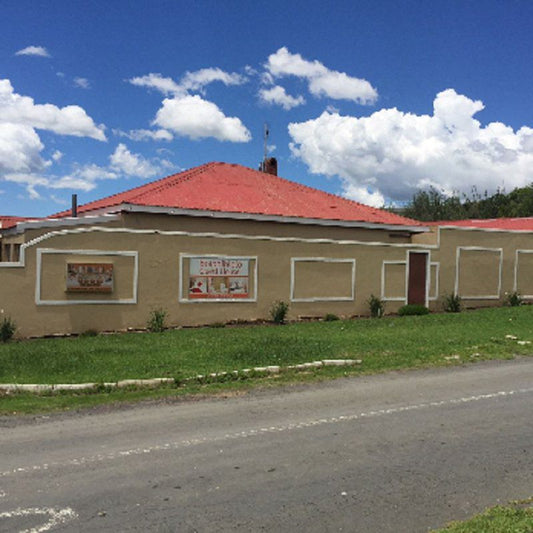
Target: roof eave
[[135, 208], [21, 227]]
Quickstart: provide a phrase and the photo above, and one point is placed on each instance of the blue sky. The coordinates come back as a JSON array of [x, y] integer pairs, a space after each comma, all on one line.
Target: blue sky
[[370, 100]]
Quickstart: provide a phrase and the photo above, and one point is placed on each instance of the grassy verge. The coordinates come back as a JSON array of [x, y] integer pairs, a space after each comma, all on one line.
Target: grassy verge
[[514, 518], [386, 344]]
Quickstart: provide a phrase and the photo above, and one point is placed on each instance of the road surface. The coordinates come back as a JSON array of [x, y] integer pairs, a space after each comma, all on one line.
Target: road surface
[[401, 452]]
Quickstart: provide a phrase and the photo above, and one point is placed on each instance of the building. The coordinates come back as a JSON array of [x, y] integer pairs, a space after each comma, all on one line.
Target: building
[[222, 242]]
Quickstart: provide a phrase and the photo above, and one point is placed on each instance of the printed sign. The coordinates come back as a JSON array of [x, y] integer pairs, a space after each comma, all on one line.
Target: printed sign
[[214, 277], [89, 277]]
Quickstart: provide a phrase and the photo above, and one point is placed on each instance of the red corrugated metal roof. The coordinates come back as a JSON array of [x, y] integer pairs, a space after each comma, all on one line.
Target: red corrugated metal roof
[[9, 221], [233, 188], [524, 223]]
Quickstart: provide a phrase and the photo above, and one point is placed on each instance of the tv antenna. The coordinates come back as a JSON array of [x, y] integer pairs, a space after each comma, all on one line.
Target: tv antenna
[[266, 133]]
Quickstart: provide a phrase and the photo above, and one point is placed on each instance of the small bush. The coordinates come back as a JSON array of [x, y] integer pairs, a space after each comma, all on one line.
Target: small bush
[[514, 299], [452, 303], [331, 317], [413, 309], [278, 312], [91, 332], [156, 321], [7, 329], [377, 306]]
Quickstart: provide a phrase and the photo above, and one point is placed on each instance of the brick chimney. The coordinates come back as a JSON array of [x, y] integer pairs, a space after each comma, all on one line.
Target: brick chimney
[[269, 166]]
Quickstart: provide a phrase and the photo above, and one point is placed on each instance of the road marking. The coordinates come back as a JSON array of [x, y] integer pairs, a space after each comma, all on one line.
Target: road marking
[[57, 517], [80, 461]]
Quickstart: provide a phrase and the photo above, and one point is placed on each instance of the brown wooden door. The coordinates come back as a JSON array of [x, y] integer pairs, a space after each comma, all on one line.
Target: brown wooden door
[[416, 290]]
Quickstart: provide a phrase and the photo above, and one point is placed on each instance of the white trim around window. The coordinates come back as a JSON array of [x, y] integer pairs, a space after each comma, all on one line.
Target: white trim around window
[[185, 256], [106, 253]]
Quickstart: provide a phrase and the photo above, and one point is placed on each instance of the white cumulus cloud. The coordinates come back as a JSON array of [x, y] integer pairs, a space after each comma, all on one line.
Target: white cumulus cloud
[[20, 149], [123, 161], [190, 81], [21, 159], [278, 95], [196, 118], [92, 173], [82, 83], [191, 115], [193, 81], [30, 181], [157, 81], [322, 81], [144, 135], [68, 120], [391, 154], [71, 182], [40, 51]]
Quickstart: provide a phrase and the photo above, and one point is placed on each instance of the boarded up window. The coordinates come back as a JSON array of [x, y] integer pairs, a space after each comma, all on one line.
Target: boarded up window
[[479, 273], [393, 280], [322, 279], [524, 273]]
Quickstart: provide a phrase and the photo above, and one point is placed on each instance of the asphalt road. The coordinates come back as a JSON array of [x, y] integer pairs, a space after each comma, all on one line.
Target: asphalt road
[[402, 452]]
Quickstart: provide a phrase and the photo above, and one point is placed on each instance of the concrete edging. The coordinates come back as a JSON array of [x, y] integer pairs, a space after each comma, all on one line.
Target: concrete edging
[[155, 382]]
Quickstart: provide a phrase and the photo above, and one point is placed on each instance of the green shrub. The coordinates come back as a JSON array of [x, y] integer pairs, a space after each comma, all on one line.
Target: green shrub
[[377, 306], [331, 317], [514, 299], [91, 332], [452, 303], [7, 328], [156, 321], [413, 309], [278, 312]]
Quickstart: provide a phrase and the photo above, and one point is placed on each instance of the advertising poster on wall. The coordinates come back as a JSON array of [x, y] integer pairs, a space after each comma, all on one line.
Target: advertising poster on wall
[[90, 277], [217, 277]]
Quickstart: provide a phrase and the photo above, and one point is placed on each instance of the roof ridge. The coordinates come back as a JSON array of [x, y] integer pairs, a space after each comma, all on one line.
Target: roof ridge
[[153, 185], [335, 196], [166, 182], [194, 171]]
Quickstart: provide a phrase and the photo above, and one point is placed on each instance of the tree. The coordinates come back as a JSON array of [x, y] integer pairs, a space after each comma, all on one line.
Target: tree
[[433, 205]]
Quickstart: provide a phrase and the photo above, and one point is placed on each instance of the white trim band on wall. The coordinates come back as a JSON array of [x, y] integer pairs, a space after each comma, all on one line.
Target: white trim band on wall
[[295, 260], [121, 253]]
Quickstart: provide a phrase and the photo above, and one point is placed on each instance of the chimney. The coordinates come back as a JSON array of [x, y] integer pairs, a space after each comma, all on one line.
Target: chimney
[[269, 166], [74, 205]]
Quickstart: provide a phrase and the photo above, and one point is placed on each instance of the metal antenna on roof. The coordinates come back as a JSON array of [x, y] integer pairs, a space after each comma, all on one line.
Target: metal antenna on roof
[[266, 133], [269, 164]]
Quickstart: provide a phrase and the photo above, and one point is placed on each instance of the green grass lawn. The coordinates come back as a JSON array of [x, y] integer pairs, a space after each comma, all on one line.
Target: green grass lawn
[[388, 343], [514, 518], [382, 344]]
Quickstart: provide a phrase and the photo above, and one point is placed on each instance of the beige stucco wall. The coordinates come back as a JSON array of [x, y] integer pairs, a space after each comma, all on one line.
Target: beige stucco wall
[[469, 262], [150, 256], [50, 309], [321, 279], [254, 227], [524, 274], [394, 280]]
